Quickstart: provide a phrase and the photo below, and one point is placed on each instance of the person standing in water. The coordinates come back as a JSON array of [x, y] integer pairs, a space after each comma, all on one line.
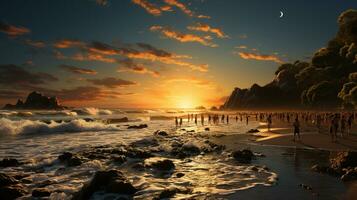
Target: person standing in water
[[247, 119], [296, 125], [227, 119], [180, 121], [176, 121], [196, 119]]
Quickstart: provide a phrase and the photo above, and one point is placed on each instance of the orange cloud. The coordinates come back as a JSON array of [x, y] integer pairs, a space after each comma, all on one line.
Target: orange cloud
[[128, 65], [12, 30], [67, 43], [78, 70], [182, 37], [203, 17], [149, 7], [181, 6], [207, 28], [90, 56], [255, 56], [36, 44]]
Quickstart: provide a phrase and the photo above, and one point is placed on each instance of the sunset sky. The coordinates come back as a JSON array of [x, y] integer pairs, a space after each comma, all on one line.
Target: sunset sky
[[154, 53]]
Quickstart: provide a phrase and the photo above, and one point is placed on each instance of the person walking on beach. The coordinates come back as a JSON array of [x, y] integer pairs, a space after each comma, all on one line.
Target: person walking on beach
[[343, 126], [296, 125], [247, 119], [227, 119], [349, 124], [334, 128], [176, 121], [269, 120], [180, 121]]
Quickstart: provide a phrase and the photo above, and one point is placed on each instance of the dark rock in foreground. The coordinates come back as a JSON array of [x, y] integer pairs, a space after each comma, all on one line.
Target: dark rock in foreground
[[253, 131], [117, 120], [141, 126], [9, 162], [36, 100], [41, 192], [10, 187], [161, 133], [112, 181], [70, 159], [163, 165], [243, 156]]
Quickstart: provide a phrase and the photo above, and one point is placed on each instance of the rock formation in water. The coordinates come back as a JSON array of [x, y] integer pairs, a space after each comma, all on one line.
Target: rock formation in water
[[36, 100], [329, 80]]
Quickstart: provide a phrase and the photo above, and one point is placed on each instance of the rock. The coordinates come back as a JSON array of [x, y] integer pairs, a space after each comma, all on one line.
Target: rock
[[161, 133], [163, 165], [167, 193], [145, 142], [74, 161], [41, 192], [36, 100], [141, 126], [139, 166], [191, 131], [350, 175], [207, 129], [70, 159], [6, 180], [191, 148], [344, 160], [9, 162], [138, 154], [65, 156], [253, 131], [117, 120], [112, 181], [12, 192], [180, 174], [243, 156], [120, 159]]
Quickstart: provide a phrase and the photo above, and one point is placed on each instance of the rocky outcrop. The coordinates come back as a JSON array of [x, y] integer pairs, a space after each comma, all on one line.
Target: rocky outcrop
[[10, 188], [243, 156], [112, 181], [35, 101]]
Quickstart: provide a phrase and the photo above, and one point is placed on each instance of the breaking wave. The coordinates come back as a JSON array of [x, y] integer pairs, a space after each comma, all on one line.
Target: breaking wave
[[21, 127]]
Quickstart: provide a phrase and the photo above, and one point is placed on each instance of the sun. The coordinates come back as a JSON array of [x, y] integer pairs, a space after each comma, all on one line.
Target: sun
[[185, 102]]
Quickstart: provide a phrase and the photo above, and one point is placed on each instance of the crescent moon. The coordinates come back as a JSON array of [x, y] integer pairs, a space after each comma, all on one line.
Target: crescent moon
[[281, 14]]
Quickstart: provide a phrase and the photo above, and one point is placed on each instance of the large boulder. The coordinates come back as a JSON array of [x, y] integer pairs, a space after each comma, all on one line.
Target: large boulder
[[112, 181], [243, 156], [163, 165], [10, 187]]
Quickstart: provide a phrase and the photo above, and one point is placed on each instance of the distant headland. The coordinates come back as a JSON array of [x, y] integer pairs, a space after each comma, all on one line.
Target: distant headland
[[36, 101]]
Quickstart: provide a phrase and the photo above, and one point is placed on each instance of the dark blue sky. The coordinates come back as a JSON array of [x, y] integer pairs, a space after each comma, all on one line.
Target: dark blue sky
[[253, 27]]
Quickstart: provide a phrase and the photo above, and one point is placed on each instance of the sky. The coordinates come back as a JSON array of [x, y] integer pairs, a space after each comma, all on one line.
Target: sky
[[154, 53]]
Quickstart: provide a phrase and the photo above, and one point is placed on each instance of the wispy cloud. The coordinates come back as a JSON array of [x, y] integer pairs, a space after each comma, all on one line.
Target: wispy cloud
[[128, 65], [207, 28], [111, 82], [36, 44], [183, 37], [203, 17], [149, 7], [181, 6], [13, 31], [241, 47], [67, 43], [98, 51], [256, 56], [78, 70]]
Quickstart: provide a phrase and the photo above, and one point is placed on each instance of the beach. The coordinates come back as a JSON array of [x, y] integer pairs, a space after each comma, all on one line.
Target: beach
[[60, 153]]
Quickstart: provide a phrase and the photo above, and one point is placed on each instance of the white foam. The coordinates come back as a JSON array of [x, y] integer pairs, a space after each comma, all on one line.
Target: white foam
[[16, 127]]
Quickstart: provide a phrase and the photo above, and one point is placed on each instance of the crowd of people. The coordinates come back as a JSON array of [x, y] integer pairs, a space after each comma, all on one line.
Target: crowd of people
[[336, 124]]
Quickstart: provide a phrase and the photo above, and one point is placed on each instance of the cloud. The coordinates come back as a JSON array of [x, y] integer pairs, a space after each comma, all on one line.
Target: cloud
[[182, 37], [243, 36], [207, 28], [13, 31], [16, 77], [98, 51], [241, 47], [181, 6], [77, 70], [194, 81], [203, 17], [149, 7], [86, 93], [67, 43], [128, 65], [36, 44], [111, 82], [255, 56]]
